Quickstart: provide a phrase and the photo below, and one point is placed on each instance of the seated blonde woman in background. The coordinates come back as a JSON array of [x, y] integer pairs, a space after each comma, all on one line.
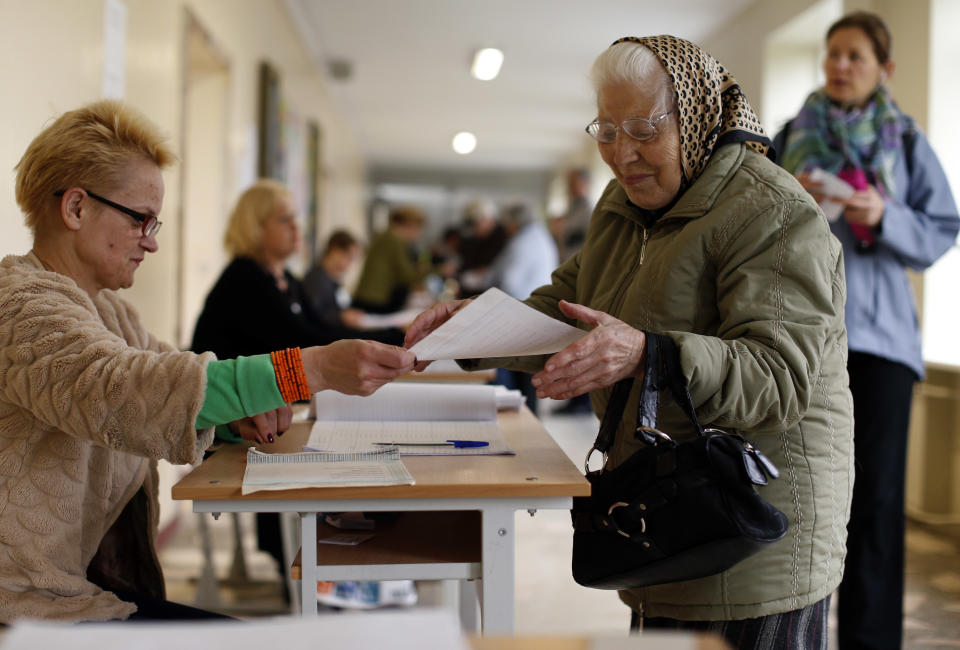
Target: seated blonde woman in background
[[257, 305], [89, 399]]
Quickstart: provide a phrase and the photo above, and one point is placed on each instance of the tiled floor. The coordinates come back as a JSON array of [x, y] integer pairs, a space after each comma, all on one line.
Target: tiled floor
[[547, 599]]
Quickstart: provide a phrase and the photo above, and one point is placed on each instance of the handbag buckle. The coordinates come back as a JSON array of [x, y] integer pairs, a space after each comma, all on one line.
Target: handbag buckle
[[624, 504], [586, 462]]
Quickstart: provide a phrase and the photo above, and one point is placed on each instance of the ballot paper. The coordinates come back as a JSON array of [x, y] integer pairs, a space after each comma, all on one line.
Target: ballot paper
[[304, 470], [496, 325], [836, 191], [410, 413]]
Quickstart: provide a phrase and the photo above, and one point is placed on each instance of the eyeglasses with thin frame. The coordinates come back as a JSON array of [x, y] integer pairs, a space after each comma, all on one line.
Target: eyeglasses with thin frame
[[638, 128], [149, 224]]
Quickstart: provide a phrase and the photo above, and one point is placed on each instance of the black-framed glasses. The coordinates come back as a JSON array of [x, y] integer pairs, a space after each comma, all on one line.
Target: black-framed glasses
[[638, 128], [149, 224]]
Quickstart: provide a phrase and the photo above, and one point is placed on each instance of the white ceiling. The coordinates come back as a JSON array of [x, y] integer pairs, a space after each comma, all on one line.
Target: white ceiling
[[411, 89]]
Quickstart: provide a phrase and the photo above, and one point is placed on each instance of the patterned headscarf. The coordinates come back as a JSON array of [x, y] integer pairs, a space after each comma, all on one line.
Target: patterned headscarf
[[712, 109], [832, 137]]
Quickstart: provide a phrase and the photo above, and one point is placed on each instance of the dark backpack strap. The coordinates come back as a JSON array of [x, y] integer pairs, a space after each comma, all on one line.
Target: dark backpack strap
[[909, 140]]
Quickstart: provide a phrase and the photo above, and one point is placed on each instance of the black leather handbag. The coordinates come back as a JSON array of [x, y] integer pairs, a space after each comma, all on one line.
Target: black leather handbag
[[673, 510]]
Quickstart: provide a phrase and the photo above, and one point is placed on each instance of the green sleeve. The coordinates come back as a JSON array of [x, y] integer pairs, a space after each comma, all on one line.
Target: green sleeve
[[238, 388]]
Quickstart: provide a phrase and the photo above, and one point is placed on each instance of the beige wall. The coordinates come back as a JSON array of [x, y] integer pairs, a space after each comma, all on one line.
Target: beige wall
[[740, 44], [43, 81]]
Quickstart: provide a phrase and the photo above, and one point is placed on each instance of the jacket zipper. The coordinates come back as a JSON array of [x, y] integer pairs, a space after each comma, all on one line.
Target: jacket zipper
[[616, 304], [643, 243], [621, 295]]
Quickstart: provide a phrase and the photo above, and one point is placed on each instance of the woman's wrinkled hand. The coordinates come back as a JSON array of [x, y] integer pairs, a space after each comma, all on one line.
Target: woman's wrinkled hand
[[263, 427], [354, 366], [611, 351], [865, 207], [430, 320]]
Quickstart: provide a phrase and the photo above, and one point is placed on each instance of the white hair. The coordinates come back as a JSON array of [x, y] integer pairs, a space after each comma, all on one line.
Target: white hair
[[633, 63]]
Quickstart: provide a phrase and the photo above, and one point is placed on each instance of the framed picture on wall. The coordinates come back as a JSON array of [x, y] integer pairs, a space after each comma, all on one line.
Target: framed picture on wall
[[271, 157], [312, 206]]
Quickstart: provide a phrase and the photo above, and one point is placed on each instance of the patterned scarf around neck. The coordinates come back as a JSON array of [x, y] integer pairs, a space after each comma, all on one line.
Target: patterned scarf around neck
[[712, 109], [833, 138]]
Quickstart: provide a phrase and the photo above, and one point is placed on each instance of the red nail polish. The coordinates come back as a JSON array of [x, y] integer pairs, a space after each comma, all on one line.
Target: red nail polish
[[270, 437]]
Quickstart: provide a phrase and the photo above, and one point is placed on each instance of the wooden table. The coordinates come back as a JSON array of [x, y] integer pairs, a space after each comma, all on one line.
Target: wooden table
[[539, 476]]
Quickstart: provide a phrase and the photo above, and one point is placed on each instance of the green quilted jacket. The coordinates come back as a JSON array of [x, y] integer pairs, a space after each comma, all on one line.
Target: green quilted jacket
[[744, 274]]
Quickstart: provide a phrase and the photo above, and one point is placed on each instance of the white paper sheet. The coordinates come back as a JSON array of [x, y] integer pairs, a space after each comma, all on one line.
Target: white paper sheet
[[835, 188], [357, 436], [410, 401], [496, 325]]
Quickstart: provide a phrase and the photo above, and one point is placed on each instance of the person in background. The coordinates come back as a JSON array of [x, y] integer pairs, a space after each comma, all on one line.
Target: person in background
[[390, 270], [484, 237], [90, 400], [701, 239], [323, 284], [525, 264], [445, 252], [901, 216], [572, 234], [257, 305], [577, 218]]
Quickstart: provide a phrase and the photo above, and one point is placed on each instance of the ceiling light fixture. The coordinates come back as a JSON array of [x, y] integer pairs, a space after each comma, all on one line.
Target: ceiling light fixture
[[486, 63], [464, 142]]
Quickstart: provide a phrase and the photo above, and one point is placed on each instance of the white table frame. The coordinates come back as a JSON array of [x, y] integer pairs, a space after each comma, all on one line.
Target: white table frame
[[498, 542]]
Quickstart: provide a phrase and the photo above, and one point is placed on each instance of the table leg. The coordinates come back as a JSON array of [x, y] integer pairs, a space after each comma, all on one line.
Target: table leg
[[308, 564], [497, 597], [467, 605]]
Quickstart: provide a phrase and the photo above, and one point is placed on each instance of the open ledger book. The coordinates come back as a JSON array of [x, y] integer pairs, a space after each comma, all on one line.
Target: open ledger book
[[304, 470], [421, 418]]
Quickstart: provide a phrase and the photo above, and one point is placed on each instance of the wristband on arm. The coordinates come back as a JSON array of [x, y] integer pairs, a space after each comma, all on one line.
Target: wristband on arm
[[291, 376]]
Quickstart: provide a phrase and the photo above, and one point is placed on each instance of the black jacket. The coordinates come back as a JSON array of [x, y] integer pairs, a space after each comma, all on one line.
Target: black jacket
[[246, 314]]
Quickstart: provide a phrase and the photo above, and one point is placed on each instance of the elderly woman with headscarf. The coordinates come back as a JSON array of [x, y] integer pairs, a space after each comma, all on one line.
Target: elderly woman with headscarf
[[700, 238], [899, 215], [90, 400]]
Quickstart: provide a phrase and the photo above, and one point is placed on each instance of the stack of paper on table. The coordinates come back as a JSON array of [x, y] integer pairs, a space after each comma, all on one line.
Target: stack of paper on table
[[304, 470], [409, 413]]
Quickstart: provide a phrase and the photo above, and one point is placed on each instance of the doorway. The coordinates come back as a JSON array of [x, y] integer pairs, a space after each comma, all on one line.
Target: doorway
[[204, 147]]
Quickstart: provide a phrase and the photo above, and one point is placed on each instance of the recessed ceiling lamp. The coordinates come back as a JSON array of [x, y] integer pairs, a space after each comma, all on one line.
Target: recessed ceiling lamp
[[486, 63], [464, 142]]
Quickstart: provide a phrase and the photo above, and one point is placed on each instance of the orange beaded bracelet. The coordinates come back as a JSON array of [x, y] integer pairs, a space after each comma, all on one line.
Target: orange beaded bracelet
[[290, 374]]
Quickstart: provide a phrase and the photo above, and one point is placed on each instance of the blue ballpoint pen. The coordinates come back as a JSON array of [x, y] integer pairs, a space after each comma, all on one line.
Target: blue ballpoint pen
[[456, 444]]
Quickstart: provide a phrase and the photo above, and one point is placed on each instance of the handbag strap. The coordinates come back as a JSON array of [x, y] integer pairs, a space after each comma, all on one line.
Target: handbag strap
[[674, 379], [662, 370]]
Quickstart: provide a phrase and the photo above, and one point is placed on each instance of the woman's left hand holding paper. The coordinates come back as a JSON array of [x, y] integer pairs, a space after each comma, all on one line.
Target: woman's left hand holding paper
[[611, 351]]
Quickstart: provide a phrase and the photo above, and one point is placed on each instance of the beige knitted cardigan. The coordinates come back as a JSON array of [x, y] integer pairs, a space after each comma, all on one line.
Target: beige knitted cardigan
[[89, 400]]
